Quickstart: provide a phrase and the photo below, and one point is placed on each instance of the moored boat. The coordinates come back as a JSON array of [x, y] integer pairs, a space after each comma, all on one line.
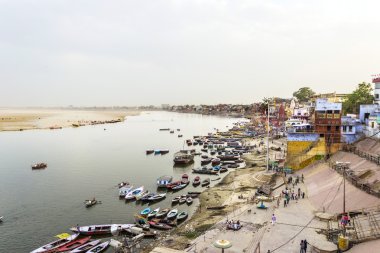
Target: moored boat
[[185, 179], [183, 158], [205, 171], [100, 229], [1, 218], [163, 181], [73, 244], [172, 214], [123, 191], [196, 181], [176, 200], [132, 194], [86, 246], [99, 248], [179, 187], [153, 213], [189, 200], [182, 216], [162, 213], [206, 182], [50, 247], [161, 226], [215, 161], [182, 200], [157, 197], [145, 212], [164, 151], [146, 197], [206, 161], [142, 195]]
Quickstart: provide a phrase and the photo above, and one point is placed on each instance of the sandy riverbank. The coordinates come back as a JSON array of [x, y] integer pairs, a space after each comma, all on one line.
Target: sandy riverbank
[[12, 119]]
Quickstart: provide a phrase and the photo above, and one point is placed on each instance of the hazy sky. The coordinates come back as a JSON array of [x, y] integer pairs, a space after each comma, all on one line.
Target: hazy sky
[[120, 52]]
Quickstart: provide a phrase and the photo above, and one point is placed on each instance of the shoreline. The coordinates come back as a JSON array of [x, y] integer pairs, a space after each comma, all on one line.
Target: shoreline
[[20, 119], [225, 193]]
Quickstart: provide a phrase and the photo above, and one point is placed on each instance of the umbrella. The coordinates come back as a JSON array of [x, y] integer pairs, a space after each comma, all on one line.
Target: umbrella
[[222, 244]]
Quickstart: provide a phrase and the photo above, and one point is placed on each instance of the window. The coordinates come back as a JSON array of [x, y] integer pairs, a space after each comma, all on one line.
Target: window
[[350, 128], [329, 128], [377, 96], [337, 128], [344, 128]]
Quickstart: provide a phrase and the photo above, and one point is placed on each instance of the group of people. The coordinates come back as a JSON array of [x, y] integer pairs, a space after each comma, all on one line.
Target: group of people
[[345, 220], [233, 225], [291, 195], [303, 246]]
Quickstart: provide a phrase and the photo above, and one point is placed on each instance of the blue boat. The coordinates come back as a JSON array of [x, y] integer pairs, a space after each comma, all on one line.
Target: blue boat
[[146, 211], [216, 168]]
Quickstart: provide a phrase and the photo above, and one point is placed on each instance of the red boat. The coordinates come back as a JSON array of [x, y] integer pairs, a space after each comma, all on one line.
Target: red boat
[[185, 179], [73, 244], [196, 181], [171, 185]]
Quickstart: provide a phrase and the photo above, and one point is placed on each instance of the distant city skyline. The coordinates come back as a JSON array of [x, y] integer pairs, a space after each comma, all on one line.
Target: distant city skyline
[[134, 53]]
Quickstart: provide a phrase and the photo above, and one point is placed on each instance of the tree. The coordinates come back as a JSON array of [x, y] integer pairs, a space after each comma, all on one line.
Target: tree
[[304, 94], [361, 96]]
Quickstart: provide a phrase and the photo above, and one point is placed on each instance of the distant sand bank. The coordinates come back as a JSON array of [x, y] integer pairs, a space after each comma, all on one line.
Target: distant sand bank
[[26, 119]]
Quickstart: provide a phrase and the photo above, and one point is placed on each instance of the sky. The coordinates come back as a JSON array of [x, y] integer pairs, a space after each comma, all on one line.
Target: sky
[[131, 53]]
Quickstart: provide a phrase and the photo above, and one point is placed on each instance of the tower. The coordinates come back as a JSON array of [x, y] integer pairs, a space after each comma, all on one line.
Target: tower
[[376, 81]]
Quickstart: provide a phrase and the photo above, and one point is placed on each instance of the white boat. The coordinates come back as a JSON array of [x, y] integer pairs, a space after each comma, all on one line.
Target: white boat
[[142, 195], [56, 244], [157, 197], [101, 229], [99, 248], [153, 213], [132, 194], [172, 214], [125, 190], [1, 218], [86, 247]]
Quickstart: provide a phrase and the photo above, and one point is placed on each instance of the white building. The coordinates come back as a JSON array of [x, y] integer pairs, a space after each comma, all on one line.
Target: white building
[[376, 81]]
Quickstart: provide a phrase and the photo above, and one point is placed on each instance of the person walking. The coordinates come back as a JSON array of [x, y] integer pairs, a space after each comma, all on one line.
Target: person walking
[[305, 245], [302, 247], [274, 219], [285, 202]]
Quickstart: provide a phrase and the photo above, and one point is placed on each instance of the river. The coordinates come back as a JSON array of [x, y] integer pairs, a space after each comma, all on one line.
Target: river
[[87, 162]]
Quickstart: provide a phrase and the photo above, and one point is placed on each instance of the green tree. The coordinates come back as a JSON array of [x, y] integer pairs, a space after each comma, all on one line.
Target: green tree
[[361, 96], [304, 94]]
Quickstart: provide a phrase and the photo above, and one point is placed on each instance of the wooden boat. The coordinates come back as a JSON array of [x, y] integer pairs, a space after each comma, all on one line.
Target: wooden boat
[[140, 221], [99, 248], [123, 191], [195, 193], [157, 197], [223, 169], [215, 161], [161, 226], [1, 218], [206, 161], [216, 179], [164, 129], [171, 223], [234, 166], [182, 216], [162, 213], [204, 156], [196, 181], [132, 194], [180, 136], [189, 200], [123, 184], [39, 166], [153, 213], [100, 229], [183, 158], [215, 207], [142, 195], [146, 197], [216, 168], [90, 202], [164, 151], [179, 187], [182, 200], [73, 244], [172, 214], [205, 171], [173, 184], [86, 247], [163, 181], [185, 179], [172, 131], [176, 200], [145, 212], [206, 182], [204, 150], [50, 247], [212, 152], [149, 151]]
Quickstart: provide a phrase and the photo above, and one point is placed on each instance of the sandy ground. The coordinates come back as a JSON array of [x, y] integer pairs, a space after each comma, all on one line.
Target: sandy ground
[[26, 119]]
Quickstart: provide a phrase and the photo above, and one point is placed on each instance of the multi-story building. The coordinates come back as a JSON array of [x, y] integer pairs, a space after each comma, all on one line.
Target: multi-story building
[[376, 81], [328, 122]]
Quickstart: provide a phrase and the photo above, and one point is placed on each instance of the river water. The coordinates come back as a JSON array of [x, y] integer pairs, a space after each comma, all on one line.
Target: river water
[[86, 162]]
